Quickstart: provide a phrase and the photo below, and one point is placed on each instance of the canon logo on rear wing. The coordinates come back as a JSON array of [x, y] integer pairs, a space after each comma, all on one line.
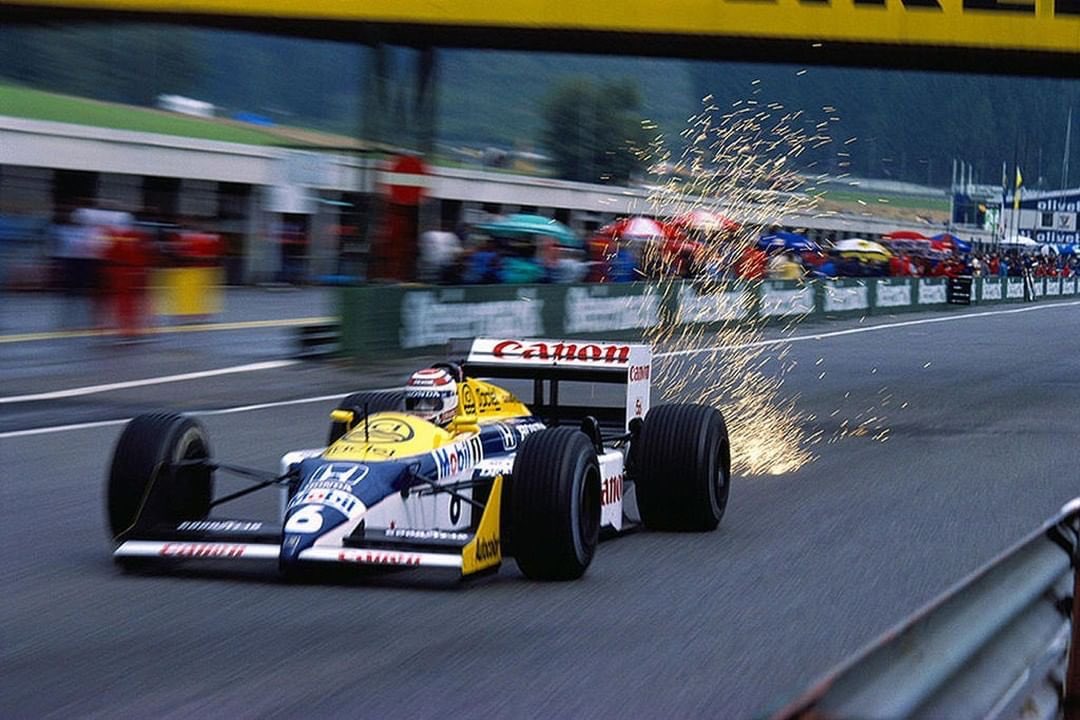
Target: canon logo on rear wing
[[561, 351]]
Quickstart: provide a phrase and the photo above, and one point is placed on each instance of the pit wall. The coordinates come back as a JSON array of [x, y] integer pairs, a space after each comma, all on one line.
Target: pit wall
[[387, 321]]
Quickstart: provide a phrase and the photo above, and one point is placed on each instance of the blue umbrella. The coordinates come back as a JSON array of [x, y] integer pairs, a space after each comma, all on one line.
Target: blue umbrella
[[523, 225], [781, 240]]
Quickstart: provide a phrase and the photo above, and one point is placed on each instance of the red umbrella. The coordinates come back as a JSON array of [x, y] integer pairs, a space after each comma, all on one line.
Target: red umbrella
[[666, 249], [705, 221], [631, 229], [635, 227], [908, 241], [604, 244], [905, 235]]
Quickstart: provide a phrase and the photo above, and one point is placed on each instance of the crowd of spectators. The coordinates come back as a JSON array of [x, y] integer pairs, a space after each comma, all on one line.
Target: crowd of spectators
[[472, 258], [476, 258], [102, 259], [756, 264]]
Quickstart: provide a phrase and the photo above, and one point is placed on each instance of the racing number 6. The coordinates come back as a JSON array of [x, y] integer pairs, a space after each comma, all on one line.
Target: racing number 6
[[307, 519]]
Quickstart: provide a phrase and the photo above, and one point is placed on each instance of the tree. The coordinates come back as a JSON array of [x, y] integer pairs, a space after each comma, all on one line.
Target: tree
[[592, 130], [910, 125]]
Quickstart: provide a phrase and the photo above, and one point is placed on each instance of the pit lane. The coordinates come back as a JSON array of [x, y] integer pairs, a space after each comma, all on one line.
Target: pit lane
[[805, 568]]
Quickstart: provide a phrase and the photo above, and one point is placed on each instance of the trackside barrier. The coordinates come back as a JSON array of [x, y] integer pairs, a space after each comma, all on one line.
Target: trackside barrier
[[1001, 644], [387, 320], [322, 340], [960, 290]]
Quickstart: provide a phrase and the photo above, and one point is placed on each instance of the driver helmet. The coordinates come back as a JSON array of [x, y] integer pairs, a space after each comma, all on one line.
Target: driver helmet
[[432, 395]]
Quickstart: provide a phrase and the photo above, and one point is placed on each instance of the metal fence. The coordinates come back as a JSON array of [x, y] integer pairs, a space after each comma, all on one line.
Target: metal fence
[[1001, 644]]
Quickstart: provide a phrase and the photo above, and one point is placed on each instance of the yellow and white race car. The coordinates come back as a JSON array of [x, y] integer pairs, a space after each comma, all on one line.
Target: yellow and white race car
[[453, 472]]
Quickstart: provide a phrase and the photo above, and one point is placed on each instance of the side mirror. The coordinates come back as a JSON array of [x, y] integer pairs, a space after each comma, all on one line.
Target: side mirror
[[345, 417]]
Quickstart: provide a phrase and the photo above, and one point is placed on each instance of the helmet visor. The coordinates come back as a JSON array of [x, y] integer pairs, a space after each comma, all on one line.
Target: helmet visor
[[424, 403]]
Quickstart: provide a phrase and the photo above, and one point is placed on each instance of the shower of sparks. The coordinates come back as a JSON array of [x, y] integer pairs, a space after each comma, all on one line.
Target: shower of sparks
[[738, 162]]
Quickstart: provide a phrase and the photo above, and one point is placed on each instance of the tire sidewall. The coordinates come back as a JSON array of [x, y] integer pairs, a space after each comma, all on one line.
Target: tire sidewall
[[712, 442], [143, 489], [554, 494], [585, 508], [682, 465]]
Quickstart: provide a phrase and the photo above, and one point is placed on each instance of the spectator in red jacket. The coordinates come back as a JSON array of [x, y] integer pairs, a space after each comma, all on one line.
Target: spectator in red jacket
[[201, 249], [752, 264], [899, 266], [128, 258]]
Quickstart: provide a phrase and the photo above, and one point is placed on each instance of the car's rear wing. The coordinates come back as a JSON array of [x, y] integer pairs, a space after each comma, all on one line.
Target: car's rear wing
[[555, 361]]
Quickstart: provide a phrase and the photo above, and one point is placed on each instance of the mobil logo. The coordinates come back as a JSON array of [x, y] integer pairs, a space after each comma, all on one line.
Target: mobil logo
[[458, 457], [343, 501]]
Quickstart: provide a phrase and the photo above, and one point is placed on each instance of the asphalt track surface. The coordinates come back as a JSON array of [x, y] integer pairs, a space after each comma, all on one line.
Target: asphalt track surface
[[805, 568]]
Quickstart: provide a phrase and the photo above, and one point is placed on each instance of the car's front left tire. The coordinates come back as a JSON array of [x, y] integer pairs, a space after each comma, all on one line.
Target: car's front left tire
[[554, 504]]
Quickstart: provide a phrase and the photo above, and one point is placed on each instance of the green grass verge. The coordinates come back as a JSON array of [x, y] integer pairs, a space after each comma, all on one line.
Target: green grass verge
[[914, 202], [37, 105]]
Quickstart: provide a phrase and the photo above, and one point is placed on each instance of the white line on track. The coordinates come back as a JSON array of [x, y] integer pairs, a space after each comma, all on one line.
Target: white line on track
[[62, 428], [761, 343], [866, 329], [94, 389], [220, 411], [165, 329]]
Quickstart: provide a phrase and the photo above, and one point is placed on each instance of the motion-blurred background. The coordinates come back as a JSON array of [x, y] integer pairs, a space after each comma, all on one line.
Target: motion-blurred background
[[289, 151]]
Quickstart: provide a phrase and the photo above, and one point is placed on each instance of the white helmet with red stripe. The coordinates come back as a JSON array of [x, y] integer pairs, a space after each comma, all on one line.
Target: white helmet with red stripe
[[432, 394]]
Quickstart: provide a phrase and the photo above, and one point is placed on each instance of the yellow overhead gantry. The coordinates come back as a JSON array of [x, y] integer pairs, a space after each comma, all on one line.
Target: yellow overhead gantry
[[1037, 36]]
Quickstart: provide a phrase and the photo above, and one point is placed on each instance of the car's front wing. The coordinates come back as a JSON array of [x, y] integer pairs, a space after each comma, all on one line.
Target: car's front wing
[[192, 550], [227, 539]]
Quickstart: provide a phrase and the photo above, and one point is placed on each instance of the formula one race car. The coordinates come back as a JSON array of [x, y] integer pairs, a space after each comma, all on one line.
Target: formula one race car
[[454, 472]]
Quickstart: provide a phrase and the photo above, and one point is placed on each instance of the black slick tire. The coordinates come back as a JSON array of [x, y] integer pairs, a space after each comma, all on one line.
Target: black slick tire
[[554, 504], [683, 473], [144, 488], [385, 401]]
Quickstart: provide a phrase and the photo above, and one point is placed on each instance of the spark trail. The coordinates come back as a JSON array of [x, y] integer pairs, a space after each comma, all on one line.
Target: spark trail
[[739, 166]]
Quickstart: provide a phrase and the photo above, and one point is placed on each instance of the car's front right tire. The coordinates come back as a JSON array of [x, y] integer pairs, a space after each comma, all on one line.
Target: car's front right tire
[[683, 473], [160, 473]]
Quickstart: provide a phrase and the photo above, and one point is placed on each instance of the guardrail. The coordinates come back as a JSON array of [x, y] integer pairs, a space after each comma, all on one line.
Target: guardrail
[[386, 320], [1001, 644]]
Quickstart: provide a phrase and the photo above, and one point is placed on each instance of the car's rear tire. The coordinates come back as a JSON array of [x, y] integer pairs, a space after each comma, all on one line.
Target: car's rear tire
[[144, 487], [554, 503], [382, 401], [683, 473]]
